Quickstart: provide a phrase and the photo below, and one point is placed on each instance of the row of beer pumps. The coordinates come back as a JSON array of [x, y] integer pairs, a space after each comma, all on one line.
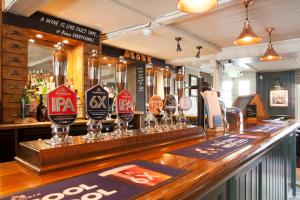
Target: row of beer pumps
[[156, 106], [62, 101]]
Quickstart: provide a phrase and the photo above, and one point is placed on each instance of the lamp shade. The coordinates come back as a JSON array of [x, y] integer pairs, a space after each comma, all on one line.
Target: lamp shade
[[196, 6], [247, 36], [270, 54]]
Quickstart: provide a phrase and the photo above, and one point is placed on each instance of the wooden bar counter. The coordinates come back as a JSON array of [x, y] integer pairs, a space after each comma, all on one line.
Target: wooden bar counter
[[264, 169]]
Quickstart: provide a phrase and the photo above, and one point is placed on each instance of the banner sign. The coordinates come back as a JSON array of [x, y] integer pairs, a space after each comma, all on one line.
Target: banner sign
[[62, 106], [155, 105], [217, 148], [53, 25], [126, 106], [96, 103], [126, 181], [170, 104], [185, 103], [140, 86], [266, 128]]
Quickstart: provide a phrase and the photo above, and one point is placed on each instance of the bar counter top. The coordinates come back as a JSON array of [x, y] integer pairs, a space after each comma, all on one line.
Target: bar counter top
[[202, 178], [10, 126]]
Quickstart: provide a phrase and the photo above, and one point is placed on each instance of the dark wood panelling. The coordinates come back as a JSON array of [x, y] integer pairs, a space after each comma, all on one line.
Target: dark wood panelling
[[11, 100], [7, 146], [14, 33], [266, 84], [15, 73], [14, 46], [273, 177], [15, 60], [13, 87]]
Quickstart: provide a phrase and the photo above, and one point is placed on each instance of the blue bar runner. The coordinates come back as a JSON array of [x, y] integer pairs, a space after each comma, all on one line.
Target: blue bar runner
[[125, 181], [266, 128], [216, 149]]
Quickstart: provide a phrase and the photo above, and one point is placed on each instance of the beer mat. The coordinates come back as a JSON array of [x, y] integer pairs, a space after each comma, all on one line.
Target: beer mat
[[125, 181], [266, 128], [216, 149]]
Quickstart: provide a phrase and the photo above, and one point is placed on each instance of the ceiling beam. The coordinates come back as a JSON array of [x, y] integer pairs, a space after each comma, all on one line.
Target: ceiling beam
[[167, 21], [23, 7]]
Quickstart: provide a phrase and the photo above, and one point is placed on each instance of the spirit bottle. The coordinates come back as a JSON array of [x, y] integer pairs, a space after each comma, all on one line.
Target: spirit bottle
[[25, 104], [41, 111]]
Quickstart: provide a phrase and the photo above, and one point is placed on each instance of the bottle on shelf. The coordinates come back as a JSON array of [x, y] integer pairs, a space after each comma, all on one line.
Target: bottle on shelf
[[41, 111], [25, 104]]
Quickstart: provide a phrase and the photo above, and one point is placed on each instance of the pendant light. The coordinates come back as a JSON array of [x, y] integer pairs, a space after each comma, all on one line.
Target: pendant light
[[247, 35], [178, 44], [196, 6], [270, 54], [198, 51]]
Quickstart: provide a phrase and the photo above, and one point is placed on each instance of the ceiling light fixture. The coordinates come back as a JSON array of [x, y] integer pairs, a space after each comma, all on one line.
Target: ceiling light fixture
[[31, 40], [147, 31], [196, 6], [39, 35], [105, 58], [270, 54], [178, 39], [198, 51], [66, 41], [247, 35]]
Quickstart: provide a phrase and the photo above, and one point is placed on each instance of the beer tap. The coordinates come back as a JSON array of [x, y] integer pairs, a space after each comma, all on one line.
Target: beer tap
[[60, 65], [96, 99], [150, 120], [166, 119], [120, 79], [181, 120], [62, 102], [167, 81]]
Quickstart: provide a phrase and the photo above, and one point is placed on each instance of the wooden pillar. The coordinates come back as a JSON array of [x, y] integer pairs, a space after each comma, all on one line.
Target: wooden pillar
[[1, 110], [14, 70], [200, 103]]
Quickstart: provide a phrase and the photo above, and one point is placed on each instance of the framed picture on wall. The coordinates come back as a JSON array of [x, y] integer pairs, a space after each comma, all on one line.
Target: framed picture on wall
[[192, 82], [279, 98]]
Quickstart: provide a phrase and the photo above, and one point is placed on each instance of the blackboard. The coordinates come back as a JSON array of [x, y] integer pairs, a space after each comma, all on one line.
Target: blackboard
[[140, 87], [251, 110], [53, 25]]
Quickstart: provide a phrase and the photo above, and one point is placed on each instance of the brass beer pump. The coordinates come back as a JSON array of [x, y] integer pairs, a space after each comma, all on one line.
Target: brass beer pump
[[166, 119], [181, 120], [60, 133], [150, 120], [94, 126], [121, 80]]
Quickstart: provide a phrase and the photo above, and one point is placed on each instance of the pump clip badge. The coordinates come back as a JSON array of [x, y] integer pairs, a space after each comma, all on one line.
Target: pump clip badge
[[185, 103], [62, 106], [126, 106], [96, 103], [170, 104], [155, 104]]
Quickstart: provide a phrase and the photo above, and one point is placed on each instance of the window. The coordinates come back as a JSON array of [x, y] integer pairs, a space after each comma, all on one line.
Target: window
[[226, 95], [243, 87]]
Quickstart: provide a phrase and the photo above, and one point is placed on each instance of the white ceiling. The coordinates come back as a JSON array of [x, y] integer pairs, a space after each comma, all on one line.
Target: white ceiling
[[217, 28]]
